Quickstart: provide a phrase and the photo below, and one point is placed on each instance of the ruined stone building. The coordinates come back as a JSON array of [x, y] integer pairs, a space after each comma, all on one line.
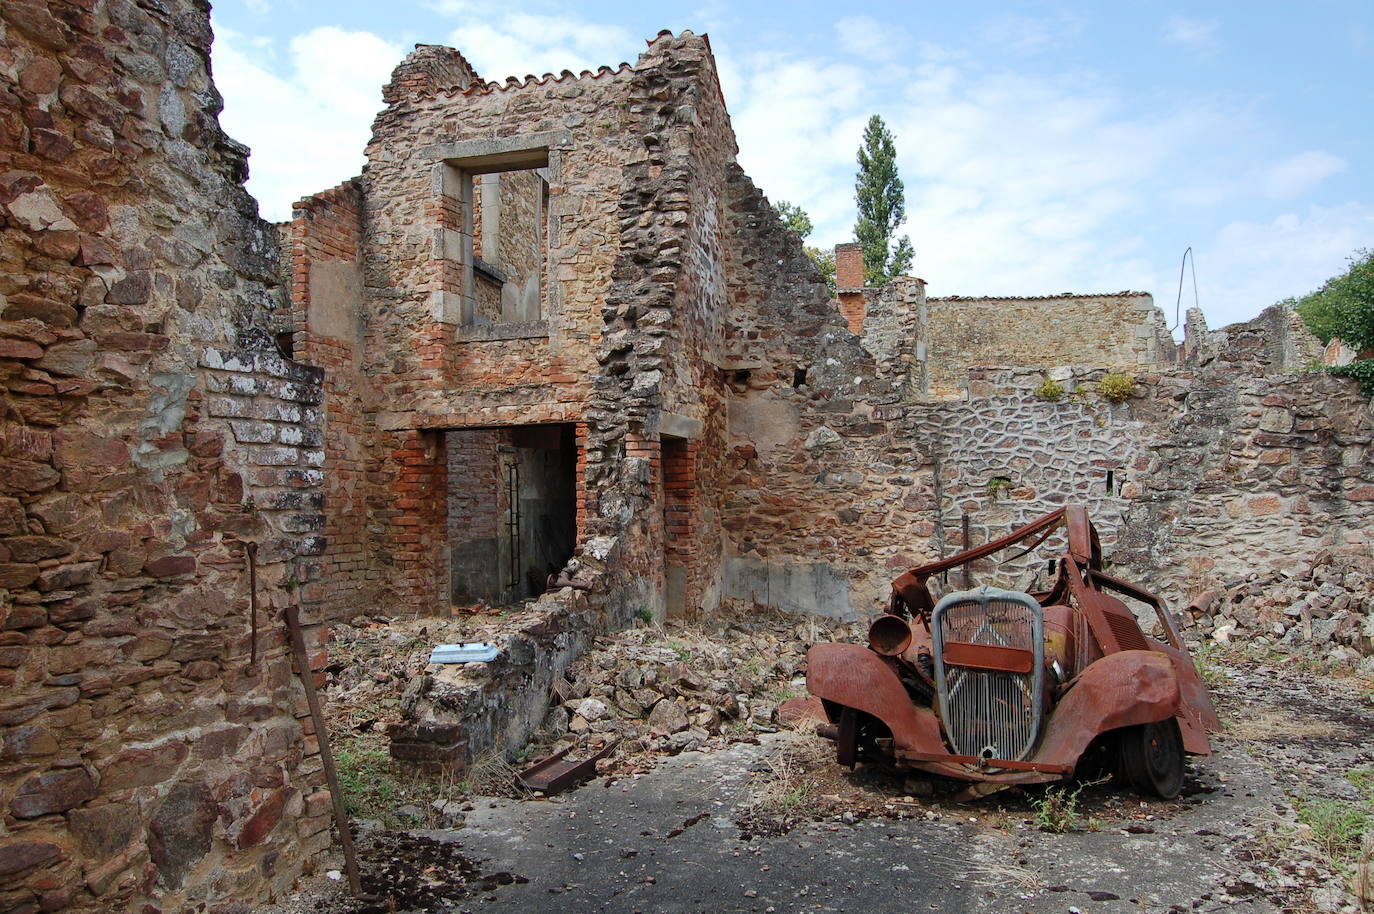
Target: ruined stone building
[[552, 331]]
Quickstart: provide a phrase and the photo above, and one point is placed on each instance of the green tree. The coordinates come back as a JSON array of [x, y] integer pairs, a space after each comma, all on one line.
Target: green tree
[[796, 219], [793, 217], [881, 199], [1344, 307]]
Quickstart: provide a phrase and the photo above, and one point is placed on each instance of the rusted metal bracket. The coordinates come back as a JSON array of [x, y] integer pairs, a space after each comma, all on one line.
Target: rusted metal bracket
[[554, 774], [293, 625]]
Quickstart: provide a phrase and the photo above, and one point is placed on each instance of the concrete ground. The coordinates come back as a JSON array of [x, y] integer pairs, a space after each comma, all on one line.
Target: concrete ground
[[671, 840]]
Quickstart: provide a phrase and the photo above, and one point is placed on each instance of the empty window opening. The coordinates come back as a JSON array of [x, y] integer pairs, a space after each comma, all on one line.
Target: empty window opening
[[1110, 475], [512, 511], [798, 377], [509, 245]]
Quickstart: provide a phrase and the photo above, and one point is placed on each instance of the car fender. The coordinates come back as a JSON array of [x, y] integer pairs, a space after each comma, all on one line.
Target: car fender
[[1120, 690], [854, 676]]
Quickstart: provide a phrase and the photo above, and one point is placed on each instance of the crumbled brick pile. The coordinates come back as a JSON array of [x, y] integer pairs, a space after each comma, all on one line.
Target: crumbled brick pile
[[1324, 610]]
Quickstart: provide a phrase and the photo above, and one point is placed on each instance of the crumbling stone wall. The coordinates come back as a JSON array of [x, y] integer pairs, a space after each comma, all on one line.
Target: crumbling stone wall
[[1253, 466], [150, 432], [826, 490], [1122, 330], [632, 249], [1216, 471]]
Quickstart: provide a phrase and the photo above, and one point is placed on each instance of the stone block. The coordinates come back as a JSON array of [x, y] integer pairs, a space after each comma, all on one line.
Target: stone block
[[55, 791], [265, 818], [171, 566], [180, 834], [19, 856], [64, 577], [26, 743], [14, 576], [143, 767], [145, 647], [74, 359], [35, 548]]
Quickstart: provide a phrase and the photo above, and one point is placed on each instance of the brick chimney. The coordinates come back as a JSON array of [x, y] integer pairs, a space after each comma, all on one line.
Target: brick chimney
[[849, 284]]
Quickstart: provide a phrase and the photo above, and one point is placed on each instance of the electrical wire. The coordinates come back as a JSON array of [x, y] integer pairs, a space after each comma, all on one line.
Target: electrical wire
[[1187, 253]]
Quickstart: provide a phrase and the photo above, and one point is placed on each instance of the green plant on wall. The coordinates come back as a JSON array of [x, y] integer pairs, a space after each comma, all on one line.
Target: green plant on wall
[[1116, 386], [1049, 389], [997, 485]]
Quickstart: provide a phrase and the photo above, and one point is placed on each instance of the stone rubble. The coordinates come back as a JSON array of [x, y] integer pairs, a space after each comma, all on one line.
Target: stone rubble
[[1324, 611]]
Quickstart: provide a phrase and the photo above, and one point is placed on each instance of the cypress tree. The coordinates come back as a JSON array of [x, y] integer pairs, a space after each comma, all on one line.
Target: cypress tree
[[881, 199]]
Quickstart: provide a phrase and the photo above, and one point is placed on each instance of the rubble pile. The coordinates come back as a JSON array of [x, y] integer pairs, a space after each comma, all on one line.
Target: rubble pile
[[1324, 611], [678, 688], [661, 689]]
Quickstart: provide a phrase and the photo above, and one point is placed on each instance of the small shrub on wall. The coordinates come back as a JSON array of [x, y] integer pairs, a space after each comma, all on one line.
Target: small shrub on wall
[[1049, 389], [1116, 386]]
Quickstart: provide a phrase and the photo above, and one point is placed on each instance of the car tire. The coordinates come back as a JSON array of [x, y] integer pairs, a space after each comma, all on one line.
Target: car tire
[[1152, 758]]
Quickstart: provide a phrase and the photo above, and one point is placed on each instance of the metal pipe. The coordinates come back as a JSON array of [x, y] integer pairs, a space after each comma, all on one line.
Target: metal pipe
[[252, 549]]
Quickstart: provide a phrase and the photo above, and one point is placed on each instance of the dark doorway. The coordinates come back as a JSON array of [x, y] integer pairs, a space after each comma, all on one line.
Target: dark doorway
[[512, 510]]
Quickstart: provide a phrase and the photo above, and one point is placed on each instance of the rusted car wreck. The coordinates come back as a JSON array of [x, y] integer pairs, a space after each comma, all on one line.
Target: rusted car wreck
[[999, 687]]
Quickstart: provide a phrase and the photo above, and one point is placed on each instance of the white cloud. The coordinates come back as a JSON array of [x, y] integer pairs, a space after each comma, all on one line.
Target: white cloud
[[1249, 265], [1029, 35], [307, 128], [1298, 174], [520, 44], [798, 123], [1194, 34], [867, 37]]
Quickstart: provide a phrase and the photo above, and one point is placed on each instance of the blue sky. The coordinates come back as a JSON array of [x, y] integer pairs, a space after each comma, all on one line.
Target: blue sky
[[1069, 147]]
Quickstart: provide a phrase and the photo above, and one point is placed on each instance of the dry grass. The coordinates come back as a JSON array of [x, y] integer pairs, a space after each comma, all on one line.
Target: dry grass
[[1362, 883], [791, 778], [1266, 723], [493, 775], [998, 874]]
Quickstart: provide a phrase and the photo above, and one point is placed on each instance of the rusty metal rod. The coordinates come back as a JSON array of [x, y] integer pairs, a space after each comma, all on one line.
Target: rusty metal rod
[[968, 544], [293, 624], [253, 602]]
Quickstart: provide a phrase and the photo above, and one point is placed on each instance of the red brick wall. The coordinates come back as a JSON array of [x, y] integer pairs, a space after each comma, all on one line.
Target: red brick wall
[[849, 281], [680, 515], [327, 228]]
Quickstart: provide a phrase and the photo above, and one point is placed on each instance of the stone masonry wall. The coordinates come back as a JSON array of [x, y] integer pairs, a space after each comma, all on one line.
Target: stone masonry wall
[[1216, 472], [622, 150], [149, 432], [1122, 330], [825, 490]]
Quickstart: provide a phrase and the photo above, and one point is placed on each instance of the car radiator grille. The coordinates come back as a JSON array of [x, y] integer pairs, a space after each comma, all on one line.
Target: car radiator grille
[[990, 713]]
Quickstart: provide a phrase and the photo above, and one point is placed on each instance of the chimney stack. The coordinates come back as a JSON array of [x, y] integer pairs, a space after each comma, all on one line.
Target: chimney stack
[[849, 284]]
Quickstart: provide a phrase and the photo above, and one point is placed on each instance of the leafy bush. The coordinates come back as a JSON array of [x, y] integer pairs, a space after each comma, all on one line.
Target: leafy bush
[[1362, 371], [1116, 386], [1344, 305], [1049, 389]]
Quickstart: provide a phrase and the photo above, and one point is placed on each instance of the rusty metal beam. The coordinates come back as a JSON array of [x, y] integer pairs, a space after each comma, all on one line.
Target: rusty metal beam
[[331, 776]]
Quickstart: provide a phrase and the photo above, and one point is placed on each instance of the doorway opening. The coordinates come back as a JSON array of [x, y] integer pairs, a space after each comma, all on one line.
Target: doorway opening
[[512, 510]]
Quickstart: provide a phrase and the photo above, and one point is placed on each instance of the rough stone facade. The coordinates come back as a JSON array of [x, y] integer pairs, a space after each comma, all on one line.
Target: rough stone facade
[[1123, 330], [738, 435], [552, 335], [149, 433]]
